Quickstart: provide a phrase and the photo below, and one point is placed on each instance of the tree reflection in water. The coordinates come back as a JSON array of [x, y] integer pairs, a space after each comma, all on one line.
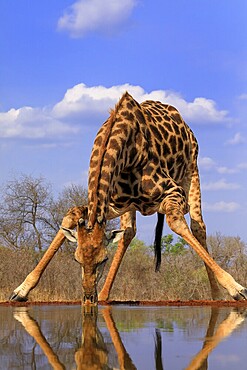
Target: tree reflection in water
[[93, 353]]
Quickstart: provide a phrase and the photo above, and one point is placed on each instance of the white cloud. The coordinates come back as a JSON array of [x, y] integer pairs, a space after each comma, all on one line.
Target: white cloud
[[220, 185], [208, 164], [222, 206], [35, 123], [91, 105], [202, 106], [85, 16], [237, 139], [199, 110], [99, 98]]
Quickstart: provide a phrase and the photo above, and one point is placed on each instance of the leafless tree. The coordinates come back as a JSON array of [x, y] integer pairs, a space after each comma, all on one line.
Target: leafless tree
[[24, 212], [71, 196], [30, 214]]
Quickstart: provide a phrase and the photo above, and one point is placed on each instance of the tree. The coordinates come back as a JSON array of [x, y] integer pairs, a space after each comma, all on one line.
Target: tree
[[137, 244], [71, 196], [24, 212], [168, 246], [30, 216], [226, 250]]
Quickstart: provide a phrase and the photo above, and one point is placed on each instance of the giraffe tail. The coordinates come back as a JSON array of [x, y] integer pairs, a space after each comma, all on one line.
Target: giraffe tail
[[157, 240]]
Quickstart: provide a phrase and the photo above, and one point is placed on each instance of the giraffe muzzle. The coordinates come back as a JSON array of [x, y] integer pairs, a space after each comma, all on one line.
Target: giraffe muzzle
[[90, 299]]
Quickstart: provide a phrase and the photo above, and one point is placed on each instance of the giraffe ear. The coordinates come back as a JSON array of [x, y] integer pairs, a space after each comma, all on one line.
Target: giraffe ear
[[114, 236], [71, 235]]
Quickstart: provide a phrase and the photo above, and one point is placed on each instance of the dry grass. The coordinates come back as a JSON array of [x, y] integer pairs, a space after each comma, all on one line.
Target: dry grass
[[136, 279], [181, 277]]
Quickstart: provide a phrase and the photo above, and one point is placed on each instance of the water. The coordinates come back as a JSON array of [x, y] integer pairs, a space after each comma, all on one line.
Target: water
[[123, 337]]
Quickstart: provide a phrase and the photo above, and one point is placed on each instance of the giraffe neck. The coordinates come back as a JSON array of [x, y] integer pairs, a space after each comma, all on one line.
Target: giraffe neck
[[115, 148], [95, 173]]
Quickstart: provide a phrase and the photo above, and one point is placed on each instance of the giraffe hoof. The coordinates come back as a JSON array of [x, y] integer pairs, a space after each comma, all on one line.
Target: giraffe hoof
[[15, 297], [241, 295]]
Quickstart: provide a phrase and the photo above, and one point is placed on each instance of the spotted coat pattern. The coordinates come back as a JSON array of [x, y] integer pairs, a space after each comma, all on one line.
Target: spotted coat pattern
[[147, 156], [144, 159]]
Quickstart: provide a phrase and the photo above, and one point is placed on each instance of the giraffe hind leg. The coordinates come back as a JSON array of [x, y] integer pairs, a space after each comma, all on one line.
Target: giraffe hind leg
[[200, 234], [198, 227], [176, 221]]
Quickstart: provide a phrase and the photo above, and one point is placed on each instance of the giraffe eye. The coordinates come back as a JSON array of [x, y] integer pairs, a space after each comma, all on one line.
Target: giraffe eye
[[81, 222]]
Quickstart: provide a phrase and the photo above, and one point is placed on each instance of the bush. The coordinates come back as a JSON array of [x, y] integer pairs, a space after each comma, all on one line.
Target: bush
[[182, 276]]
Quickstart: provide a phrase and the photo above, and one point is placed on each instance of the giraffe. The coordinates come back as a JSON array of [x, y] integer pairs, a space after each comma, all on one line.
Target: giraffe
[[93, 352], [144, 158], [214, 337]]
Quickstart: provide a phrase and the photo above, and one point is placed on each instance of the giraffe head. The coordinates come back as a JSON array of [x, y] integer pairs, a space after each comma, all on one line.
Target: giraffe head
[[91, 253]]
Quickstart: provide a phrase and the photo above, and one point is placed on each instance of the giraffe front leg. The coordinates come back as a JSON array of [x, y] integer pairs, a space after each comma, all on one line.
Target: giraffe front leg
[[20, 294], [177, 223], [124, 359], [128, 223]]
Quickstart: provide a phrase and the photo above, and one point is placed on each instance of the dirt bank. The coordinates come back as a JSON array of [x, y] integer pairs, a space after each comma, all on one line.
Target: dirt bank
[[136, 303]]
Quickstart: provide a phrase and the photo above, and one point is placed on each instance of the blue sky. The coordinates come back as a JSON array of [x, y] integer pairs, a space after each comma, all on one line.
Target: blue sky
[[64, 64]]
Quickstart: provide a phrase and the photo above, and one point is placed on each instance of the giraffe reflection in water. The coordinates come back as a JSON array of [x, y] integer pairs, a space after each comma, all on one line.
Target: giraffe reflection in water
[[215, 335], [94, 354]]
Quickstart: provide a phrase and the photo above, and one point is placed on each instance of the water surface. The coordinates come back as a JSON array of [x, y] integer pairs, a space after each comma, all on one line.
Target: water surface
[[122, 337]]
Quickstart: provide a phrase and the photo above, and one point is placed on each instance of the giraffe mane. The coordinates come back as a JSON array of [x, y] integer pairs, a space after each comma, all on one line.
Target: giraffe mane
[[106, 137]]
